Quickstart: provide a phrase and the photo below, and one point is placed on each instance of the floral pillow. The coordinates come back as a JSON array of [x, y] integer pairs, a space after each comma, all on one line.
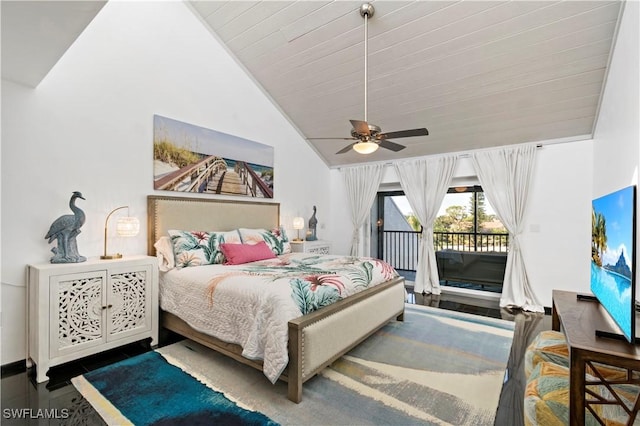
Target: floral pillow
[[276, 239], [282, 238], [195, 248]]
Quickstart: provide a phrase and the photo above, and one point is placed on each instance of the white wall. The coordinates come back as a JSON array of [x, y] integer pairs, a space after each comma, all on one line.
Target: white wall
[[88, 127], [557, 243], [617, 134], [616, 148]]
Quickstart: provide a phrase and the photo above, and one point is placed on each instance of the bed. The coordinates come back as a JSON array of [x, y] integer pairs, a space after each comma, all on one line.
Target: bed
[[312, 342]]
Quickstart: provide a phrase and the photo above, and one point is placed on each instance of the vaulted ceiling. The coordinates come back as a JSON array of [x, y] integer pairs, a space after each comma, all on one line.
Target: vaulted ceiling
[[475, 73]]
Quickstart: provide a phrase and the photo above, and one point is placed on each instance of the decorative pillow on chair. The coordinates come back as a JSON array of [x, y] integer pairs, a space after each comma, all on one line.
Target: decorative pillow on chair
[[195, 248], [548, 346], [276, 239], [237, 254]]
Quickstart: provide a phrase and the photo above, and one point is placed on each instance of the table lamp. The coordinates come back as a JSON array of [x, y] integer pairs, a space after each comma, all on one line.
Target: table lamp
[[126, 226], [298, 224]]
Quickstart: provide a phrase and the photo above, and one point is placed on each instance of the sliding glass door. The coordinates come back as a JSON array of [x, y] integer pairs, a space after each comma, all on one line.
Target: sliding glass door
[[470, 242]]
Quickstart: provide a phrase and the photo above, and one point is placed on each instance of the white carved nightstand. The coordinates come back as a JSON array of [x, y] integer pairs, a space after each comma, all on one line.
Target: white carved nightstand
[[316, 247], [78, 309]]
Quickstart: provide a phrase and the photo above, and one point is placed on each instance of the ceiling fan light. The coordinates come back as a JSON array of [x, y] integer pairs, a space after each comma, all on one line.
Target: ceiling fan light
[[365, 147]]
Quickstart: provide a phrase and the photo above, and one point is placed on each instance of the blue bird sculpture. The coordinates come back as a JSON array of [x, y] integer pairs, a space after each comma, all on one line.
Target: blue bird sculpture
[[313, 222], [65, 229]]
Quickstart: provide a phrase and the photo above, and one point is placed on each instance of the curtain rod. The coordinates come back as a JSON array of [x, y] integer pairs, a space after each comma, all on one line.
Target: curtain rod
[[467, 154]]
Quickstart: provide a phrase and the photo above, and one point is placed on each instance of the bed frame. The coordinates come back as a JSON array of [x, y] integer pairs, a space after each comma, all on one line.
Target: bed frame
[[316, 339]]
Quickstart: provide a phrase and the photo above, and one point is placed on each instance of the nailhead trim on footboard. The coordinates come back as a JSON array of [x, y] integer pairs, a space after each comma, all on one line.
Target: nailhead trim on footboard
[[338, 332]]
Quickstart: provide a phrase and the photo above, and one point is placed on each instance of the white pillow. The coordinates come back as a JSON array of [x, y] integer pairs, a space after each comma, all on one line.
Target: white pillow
[[164, 253]]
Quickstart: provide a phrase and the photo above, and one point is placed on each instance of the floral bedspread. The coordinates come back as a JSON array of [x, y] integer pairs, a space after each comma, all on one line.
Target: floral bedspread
[[251, 304]]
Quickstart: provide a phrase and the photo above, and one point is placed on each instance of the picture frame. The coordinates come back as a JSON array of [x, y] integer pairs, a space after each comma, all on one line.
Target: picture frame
[[194, 159]]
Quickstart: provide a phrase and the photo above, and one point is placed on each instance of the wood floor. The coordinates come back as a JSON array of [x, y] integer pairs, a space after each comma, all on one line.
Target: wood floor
[[22, 397]]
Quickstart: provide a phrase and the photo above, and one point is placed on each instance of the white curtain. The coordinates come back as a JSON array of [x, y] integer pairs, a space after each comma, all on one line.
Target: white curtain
[[505, 176], [362, 184], [425, 183]]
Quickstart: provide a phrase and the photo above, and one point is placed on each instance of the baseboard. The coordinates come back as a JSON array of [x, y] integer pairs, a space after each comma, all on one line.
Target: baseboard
[[483, 295], [477, 294], [13, 368]]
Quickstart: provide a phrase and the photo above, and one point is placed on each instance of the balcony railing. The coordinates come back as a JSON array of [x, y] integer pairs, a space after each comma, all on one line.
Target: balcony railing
[[463, 241], [400, 248]]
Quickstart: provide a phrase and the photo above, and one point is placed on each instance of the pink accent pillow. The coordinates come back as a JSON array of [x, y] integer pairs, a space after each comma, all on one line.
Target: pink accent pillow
[[237, 254]]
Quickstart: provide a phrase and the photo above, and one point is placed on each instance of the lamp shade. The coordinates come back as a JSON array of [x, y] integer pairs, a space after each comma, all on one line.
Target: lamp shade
[[365, 147], [298, 223], [128, 226]]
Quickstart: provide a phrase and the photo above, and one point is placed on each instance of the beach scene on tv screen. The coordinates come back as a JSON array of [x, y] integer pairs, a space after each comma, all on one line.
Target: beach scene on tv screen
[[611, 255]]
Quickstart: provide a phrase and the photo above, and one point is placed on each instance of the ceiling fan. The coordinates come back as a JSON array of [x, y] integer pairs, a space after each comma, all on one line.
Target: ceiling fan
[[369, 137]]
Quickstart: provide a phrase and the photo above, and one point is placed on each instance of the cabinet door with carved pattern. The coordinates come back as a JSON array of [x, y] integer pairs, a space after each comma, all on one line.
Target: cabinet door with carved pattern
[[128, 301], [78, 302]]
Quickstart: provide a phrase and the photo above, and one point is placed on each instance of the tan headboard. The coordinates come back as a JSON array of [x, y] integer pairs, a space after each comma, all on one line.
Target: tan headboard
[[205, 214]]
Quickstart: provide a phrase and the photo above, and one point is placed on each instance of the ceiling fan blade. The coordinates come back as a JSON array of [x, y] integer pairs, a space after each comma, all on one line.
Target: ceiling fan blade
[[403, 134], [332, 139], [395, 147], [361, 127], [345, 149]]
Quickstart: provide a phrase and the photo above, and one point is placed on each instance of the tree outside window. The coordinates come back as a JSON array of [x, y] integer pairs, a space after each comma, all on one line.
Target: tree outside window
[[466, 221]]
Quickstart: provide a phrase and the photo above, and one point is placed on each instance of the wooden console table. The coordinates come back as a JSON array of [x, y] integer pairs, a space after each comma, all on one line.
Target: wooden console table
[[579, 319]]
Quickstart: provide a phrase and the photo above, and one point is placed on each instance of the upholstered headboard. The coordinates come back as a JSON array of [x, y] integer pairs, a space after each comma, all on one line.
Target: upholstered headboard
[[205, 214]]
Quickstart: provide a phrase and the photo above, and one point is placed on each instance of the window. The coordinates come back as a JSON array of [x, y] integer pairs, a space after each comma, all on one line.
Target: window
[[467, 222]]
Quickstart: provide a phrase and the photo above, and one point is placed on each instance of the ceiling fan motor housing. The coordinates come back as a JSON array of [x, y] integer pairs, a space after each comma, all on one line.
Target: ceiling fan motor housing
[[373, 132]]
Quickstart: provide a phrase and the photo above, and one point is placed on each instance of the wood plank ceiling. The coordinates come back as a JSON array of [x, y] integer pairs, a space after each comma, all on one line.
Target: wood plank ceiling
[[475, 73]]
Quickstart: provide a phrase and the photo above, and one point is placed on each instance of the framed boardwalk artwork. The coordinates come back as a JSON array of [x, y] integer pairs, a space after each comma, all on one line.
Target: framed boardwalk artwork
[[189, 158]]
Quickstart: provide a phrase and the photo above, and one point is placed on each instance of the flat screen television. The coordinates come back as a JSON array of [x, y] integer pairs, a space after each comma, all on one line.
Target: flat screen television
[[613, 258]]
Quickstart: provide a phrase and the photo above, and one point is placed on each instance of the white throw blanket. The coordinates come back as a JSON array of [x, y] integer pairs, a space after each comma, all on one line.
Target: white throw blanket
[[251, 304]]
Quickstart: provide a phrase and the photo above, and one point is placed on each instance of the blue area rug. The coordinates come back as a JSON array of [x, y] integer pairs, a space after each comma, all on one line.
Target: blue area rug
[[147, 390], [437, 367]]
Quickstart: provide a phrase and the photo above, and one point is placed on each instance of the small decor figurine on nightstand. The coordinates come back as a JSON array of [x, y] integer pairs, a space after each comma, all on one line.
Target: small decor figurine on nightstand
[[65, 229], [313, 222]]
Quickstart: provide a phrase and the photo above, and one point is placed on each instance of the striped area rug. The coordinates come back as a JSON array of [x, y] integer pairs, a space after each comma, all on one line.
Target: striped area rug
[[437, 367]]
